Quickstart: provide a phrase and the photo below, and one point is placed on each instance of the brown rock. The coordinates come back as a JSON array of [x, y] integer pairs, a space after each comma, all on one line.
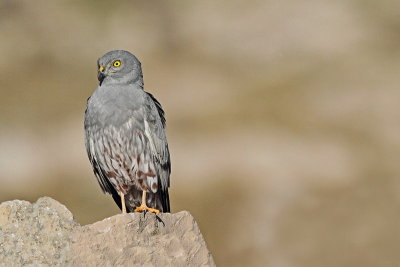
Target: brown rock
[[44, 233], [35, 234]]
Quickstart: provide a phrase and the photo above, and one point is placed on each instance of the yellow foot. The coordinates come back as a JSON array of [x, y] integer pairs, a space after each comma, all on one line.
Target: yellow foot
[[145, 208]]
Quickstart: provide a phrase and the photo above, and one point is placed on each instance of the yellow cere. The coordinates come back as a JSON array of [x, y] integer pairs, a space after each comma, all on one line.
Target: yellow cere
[[117, 63]]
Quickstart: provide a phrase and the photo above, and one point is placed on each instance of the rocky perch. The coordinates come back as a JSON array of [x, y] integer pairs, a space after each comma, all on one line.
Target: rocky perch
[[45, 234]]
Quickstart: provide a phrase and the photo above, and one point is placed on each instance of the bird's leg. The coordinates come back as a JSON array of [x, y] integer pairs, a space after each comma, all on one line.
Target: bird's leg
[[122, 201], [144, 198], [143, 206]]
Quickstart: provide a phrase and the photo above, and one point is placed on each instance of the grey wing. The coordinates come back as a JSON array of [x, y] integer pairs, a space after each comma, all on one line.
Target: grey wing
[[90, 132], [155, 132]]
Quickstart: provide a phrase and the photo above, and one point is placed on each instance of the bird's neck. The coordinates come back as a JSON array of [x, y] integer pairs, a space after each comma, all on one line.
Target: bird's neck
[[137, 81]]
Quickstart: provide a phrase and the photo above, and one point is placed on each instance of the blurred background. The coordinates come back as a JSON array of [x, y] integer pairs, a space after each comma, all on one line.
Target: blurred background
[[283, 118]]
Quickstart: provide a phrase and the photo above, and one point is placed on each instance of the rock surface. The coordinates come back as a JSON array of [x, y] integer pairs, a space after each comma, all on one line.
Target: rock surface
[[44, 233]]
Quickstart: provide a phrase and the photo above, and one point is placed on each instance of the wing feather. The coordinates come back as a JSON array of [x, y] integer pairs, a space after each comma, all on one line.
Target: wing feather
[[155, 132], [102, 179]]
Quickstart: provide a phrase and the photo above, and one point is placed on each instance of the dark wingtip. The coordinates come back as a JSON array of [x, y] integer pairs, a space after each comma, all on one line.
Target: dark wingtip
[[165, 201]]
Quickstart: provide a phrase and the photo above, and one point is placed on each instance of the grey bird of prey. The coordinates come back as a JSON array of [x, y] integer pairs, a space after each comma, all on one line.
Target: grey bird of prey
[[125, 137]]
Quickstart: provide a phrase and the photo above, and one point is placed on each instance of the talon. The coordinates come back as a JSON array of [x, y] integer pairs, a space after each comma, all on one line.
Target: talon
[[144, 208]]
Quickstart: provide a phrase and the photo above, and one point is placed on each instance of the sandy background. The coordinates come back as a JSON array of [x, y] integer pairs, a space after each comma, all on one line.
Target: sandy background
[[283, 118]]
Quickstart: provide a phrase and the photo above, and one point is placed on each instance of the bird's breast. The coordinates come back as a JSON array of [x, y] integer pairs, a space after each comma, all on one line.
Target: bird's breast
[[114, 107]]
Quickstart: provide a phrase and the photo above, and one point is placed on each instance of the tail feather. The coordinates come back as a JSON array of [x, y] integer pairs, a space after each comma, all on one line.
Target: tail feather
[[165, 200]]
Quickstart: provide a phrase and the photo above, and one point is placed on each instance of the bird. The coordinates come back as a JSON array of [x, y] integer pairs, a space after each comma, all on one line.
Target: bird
[[125, 136]]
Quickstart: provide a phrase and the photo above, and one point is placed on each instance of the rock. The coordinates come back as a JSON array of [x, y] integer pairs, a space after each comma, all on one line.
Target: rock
[[44, 233], [32, 234]]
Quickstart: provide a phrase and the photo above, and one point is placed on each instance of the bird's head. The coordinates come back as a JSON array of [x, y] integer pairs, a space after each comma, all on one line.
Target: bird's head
[[119, 66]]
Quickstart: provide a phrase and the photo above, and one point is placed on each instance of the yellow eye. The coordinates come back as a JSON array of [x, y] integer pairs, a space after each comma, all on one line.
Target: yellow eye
[[117, 63]]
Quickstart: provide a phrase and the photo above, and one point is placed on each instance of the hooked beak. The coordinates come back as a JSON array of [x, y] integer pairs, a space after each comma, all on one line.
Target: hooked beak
[[100, 74]]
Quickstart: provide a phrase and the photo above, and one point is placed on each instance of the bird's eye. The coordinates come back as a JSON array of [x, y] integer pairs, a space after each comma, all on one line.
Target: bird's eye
[[117, 63]]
